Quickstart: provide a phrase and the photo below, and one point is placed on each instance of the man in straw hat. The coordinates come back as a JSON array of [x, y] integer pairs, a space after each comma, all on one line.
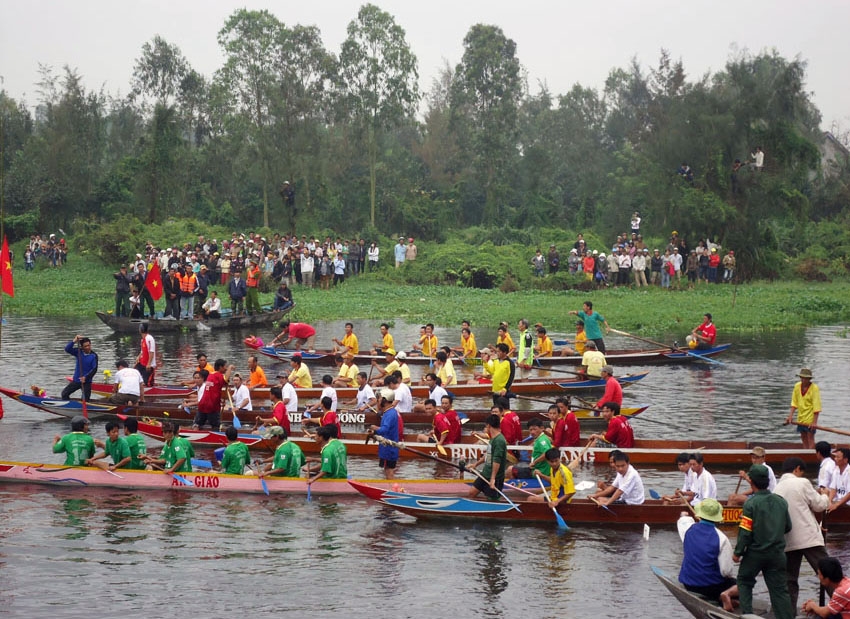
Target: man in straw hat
[[707, 566], [805, 401]]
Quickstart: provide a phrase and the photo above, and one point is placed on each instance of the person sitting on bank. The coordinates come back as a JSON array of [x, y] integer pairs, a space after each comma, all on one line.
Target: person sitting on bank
[[212, 306], [283, 297], [707, 566]]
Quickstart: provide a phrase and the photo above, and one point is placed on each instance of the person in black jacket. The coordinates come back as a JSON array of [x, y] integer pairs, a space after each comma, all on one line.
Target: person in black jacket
[[122, 291]]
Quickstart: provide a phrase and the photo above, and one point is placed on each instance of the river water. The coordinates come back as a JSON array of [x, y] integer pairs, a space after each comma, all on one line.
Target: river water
[[70, 553]]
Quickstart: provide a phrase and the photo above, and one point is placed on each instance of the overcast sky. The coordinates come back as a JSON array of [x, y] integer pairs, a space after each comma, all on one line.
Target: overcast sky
[[559, 43]]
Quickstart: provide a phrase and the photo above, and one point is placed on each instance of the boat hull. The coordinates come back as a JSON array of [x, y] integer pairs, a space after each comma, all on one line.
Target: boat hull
[[159, 325], [698, 606]]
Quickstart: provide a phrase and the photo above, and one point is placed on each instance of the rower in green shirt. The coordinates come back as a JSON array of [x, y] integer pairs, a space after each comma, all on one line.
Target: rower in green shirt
[[177, 452], [495, 462], [136, 442], [115, 446], [334, 457], [287, 459], [78, 445], [236, 454]]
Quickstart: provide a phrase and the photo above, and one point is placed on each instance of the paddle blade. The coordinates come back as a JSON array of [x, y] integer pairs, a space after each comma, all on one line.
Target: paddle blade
[[236, 423], [654, 494], [309, 498], [201, 464], [562, 524], [265, 486], [442, 450], [182, 479]]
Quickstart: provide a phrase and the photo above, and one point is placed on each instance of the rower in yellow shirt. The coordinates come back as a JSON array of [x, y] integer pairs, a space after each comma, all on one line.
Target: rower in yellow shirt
[[544, 344], [348, 342], [387, 342]]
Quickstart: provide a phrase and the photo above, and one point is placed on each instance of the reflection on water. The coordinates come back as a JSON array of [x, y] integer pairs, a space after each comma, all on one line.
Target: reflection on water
[[350, 558]]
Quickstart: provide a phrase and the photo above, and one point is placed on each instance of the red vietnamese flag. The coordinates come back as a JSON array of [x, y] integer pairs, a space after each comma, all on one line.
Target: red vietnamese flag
[[6, 270], [153, 282]]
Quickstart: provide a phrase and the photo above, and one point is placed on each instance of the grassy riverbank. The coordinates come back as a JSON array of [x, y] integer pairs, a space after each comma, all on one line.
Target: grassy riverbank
[[83, 286]]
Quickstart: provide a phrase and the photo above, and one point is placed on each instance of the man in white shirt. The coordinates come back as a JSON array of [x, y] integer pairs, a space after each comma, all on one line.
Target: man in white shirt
[[129, 385], [683, 462], [435, 392], [241, 396], [805, 538], [365, 398], [839, 489], [403, 398], [704, 484], [826, 469], [212, 306], [328, 391], [627, 486], [289, 396]]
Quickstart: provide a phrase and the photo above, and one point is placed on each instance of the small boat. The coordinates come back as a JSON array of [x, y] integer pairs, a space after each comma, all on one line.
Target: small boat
[[123, 324], [646, 451], [652, 356], [519, 387], [700, 607], [170, 409]]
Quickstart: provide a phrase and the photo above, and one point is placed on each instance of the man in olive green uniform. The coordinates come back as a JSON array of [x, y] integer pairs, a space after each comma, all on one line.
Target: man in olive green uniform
[[761, 545]]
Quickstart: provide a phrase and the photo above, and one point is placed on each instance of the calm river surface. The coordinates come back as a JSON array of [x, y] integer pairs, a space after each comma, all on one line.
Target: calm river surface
[[72, 553]]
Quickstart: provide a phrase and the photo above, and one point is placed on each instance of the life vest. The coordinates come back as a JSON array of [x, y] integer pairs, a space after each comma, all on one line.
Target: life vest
[[187, 283]]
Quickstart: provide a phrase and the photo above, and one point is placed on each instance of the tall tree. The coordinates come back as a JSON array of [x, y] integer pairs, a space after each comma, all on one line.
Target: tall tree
[[249, 40], [378, 76], [486, 97]]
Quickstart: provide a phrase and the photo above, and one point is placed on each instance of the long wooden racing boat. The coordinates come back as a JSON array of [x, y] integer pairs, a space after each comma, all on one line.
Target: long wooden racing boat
[[170, 409], [702, 608], [579, 511], [88, 477], [519, 387], [614, 357], [122, 324], [645, 452]]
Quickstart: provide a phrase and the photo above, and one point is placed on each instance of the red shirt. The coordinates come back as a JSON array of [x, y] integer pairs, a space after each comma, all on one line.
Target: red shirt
[[279, 414], [301, 330], [454, 427], [511, 428], [613, 393], [331, 418], [211, 400], [441, 426], [708, 331], [620, 432], [566, 432]]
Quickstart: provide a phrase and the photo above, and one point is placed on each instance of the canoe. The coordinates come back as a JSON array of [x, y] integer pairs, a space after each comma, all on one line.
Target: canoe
[[89, 477], [170, 409], [519, 387], [159, 391], [579, 511], [700, 607], [646, 451], [614, 357], [122, 324]]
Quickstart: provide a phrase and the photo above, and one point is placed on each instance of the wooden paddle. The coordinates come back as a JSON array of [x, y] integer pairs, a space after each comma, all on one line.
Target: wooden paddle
[[262, 479], [562, 524], [236, 423], [551, 369], [503, 495], [180, 478], [82, 379], [684, 350], [575, 462], [511, 458], [824, 428], [605, 507]]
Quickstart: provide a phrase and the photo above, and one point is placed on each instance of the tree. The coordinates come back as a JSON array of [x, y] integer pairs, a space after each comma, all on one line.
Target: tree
[[486, 97], [249, 40], [378, 80]]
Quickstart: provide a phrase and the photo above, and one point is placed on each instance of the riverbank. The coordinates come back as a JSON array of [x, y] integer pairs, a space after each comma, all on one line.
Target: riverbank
[[83, 286]]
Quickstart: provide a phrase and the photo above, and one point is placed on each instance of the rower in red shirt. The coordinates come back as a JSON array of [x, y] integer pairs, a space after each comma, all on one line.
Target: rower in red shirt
[[613, 390], [619, 430], [454, 421], [704, 335], [279, 415], [510, 426], [567, 429]]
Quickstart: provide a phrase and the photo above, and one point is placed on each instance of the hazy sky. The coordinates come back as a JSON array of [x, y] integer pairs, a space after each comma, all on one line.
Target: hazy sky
[[559, 43]]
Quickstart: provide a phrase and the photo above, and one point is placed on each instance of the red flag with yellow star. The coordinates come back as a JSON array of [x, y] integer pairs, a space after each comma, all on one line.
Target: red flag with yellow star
[[153, 282], [6, 270]]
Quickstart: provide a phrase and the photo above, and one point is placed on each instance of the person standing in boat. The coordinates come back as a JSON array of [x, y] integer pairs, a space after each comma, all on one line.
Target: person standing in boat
[[501, 369], [707, 566], [593, 322], [495, 461], [85, 368], [805, 401], [389, 429], [209, 404], [619, 431], [146, 361], [761, 546], [78, 445]]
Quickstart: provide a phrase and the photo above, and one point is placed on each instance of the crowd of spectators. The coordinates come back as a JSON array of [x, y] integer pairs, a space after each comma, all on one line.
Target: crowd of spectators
[[632, 263], [53, 252]]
